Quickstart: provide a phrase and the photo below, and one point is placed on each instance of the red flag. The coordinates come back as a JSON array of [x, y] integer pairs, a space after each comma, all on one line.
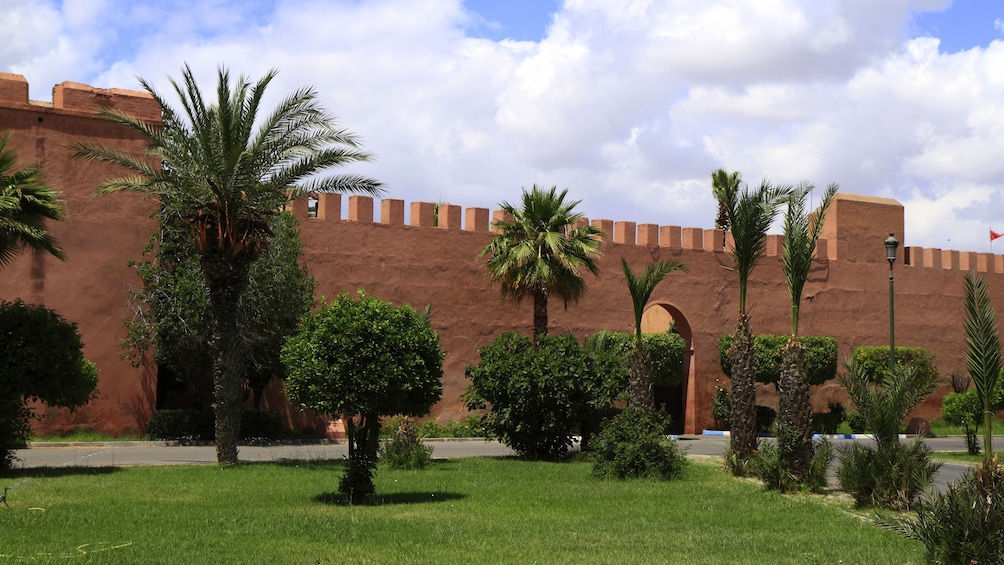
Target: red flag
[[994, 235]]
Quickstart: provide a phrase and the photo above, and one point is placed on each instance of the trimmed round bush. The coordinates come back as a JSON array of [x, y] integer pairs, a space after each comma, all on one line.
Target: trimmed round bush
[[633, 444]]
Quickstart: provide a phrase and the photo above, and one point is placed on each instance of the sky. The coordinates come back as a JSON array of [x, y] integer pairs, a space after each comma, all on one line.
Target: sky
[[629, 104]]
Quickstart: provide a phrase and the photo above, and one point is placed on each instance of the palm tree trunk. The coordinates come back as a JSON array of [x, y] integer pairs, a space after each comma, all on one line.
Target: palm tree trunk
[[539, 315], [794, 418], [743, 434], [640, 384], [226, 281]]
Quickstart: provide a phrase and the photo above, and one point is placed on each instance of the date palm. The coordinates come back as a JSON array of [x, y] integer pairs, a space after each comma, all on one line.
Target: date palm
[[25, 203], [801, 233], [228, 168], [983, 351], [539, 250], [750, 213], [641, 287]]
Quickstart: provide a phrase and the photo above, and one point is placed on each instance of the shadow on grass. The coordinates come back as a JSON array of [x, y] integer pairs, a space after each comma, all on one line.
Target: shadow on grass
[[49, 472], [338, 499]]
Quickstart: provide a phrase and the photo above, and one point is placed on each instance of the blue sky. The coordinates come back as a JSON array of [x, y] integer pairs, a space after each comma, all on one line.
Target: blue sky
[[629, 104]]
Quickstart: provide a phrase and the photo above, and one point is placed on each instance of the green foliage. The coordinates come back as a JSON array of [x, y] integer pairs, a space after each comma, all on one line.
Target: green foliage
[[886, 404], [721, 408], [171, 309], [963, 524], [404, 450], [874, 360], [187, 426], [965, 411], [856, 421], [41, 360], [828, 422], [665, 349], [768, 355], [769, 467], [363, 359], [470, 426], [983, 349], [25, 203], [540, 252], [890, 475], [539, 397], [226, 168], [633, 444]]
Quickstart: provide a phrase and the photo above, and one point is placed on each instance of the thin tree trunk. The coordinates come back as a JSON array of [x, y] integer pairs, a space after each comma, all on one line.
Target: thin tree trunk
[[226, 280], [743, 434], [539, 315], [794, 417]]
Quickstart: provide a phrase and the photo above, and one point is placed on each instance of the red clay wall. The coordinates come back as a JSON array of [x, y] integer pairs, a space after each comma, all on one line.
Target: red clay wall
[[846, 296]]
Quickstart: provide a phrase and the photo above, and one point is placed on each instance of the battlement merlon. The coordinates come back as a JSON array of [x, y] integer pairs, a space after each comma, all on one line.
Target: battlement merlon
[[76, 98]]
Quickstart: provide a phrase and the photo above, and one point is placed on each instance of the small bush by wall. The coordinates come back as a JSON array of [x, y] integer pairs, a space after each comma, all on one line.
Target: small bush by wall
[[874, 360], [768, 350], [666, 349]]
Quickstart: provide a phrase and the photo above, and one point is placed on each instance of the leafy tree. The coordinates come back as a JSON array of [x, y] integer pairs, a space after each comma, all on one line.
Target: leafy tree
[[362, 359], [641, 287], [794, 418], [541, 251], [40, 360], [750, 213], [228, 169], [666, 349], [25, 204], [983, 351], [540, 396], [171, 309]]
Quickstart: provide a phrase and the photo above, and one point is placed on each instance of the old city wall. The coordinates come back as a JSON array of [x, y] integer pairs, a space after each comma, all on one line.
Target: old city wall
[[391, 249]]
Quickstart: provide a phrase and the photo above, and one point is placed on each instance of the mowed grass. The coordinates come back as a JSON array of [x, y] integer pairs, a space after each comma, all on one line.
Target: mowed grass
[[458, 511]]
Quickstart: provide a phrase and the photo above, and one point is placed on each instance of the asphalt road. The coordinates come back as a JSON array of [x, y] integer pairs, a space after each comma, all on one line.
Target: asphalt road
[[119, 454]]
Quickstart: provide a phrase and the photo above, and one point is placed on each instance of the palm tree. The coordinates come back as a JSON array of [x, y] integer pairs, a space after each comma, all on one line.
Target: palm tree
[[25, 204], [540, 251], [229, 169], [801, 232], [724, 179], [640, 387], [983, 351], [750, 213]]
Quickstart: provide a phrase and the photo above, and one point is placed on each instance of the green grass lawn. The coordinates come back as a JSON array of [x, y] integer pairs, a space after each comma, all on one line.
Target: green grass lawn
[[459, 511]]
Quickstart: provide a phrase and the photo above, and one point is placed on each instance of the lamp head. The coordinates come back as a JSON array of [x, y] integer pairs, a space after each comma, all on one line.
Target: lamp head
[[891, 245]]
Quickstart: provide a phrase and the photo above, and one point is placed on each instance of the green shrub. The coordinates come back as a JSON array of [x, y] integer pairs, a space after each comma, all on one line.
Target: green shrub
[[768, 467], [181, 425], [468, 427], [963, 524], [721, 408], [404, 450], [890, 476], [828, 422], [198, 425], [768, 350], [633, 444], [874, 360], [538, 397], [666, 349], [261, 425], [964, 411], [856, 421]]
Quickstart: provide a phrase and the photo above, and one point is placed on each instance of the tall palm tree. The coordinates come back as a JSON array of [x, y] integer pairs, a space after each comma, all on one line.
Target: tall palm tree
[[750, 213], [25, 204], [801, 232], [229, 168], [722, 178], [641, 287], [540, 251], [983, 350]]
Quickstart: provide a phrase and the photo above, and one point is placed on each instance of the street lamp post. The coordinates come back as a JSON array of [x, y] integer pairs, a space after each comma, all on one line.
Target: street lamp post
[[891, 245]]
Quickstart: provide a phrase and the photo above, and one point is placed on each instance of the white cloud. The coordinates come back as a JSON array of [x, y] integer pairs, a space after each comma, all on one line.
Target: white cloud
[[629, 104]]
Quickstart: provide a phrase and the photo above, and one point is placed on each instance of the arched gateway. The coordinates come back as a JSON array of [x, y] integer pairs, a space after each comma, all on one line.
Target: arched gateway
[[658, 318]]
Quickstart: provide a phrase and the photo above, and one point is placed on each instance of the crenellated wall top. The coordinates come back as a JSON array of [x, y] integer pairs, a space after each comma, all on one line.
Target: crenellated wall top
[[445, 216]]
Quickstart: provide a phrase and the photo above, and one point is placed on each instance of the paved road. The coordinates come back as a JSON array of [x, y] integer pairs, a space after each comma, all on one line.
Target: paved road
[[159, 453]]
